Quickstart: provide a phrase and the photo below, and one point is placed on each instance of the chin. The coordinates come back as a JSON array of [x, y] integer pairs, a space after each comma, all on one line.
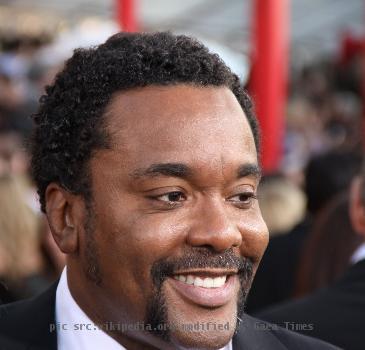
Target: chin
[[201, 340], [193, 325], [207, 329]]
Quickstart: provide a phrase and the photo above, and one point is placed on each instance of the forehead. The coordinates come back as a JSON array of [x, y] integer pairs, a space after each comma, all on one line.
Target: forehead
[[180, 121]]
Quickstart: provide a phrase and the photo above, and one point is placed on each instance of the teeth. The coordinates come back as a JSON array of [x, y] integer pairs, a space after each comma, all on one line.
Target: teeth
[[219, 281], [182, 278], [207, 282], [198, 282], [190, 279]]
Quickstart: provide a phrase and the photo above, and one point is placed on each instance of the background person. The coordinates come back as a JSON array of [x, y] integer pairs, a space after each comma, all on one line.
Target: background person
[[337, 311], [22, 268], [327, 252], [326, 176]]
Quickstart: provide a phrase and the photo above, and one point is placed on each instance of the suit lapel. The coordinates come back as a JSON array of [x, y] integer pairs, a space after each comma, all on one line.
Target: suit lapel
[[31, 321], [253, 336], [355, 274], [25, 325], [43, 314]]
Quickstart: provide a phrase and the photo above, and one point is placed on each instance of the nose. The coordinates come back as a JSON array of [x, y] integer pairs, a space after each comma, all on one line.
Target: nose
[[213, 227]]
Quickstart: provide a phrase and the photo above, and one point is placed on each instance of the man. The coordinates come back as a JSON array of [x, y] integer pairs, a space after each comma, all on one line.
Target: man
[[145, 157], [337, 312]]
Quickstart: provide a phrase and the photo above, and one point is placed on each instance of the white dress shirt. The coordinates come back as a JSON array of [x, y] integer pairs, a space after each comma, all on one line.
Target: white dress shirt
[[70, 317], [75, 330], [359, 254]]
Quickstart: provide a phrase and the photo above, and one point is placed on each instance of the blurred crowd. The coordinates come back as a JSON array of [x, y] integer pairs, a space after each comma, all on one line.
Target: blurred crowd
[[32, 50], [305, 203], [29, 259]]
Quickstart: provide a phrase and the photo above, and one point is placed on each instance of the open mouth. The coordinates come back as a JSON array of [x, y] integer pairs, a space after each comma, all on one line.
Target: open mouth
[[212, 288], [205, 282]]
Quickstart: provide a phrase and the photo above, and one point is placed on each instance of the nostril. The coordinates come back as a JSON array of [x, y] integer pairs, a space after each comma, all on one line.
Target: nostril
[[206, 246], [236, 244], [214, 228]]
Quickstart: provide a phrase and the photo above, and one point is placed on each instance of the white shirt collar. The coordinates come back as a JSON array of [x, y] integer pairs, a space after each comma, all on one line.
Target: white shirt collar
[[70, 317], [358, 255]]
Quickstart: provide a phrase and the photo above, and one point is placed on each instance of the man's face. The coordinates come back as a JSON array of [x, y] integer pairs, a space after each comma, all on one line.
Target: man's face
[[176, 228]]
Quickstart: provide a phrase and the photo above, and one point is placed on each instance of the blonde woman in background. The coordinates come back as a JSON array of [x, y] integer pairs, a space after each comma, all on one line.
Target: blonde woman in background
[[282, 203], [22, 265]]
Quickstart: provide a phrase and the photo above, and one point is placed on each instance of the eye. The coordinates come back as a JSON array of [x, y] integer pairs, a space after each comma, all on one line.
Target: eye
[[243, 200], [171, 197]]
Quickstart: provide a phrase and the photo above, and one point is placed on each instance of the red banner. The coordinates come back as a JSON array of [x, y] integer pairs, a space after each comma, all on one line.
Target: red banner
[[126, 15], [268, 82]]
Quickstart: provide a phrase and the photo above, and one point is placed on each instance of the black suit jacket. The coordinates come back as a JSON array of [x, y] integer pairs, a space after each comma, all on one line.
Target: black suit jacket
[[337, 312], [275, 277], [25, 325]]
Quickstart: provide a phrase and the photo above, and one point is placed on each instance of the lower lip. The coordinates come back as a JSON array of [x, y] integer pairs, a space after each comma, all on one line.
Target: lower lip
[[209, 297]]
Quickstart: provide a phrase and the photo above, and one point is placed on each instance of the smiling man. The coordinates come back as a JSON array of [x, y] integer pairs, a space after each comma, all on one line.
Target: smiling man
[[145, 157]]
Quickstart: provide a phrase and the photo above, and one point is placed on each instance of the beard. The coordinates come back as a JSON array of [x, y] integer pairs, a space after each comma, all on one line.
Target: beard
[[199, 257], [157, 315], [91, 267]]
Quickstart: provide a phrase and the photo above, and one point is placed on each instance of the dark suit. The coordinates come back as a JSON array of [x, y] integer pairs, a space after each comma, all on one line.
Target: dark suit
[[275, 277], [337, 312], [25, 325]]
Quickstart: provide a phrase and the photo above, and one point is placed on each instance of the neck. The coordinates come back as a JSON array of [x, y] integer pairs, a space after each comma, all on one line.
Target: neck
[[96, 306]]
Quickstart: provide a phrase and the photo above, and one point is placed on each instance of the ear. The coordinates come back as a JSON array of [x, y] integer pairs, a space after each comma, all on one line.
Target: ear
[[357, 207], [63, 216]]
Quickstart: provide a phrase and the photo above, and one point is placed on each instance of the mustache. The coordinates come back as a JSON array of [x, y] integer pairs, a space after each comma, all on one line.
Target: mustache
[[202, 258]]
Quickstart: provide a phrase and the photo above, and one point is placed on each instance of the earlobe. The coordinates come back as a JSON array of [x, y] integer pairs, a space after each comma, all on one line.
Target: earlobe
[[357, 207], [59, 205]]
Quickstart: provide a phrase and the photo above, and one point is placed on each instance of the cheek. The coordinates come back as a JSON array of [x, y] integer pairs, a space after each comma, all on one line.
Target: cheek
[[255, 237], [128, 249], [133, 243]]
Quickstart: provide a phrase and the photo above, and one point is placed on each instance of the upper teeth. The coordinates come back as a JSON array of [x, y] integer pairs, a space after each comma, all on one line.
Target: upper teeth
[[202, 282]]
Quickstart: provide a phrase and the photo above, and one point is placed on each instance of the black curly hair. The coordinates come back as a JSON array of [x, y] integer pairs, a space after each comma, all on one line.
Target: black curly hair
[[69, 123]]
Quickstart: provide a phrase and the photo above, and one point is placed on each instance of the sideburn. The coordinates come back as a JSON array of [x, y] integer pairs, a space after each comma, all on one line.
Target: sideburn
[[92, 268]]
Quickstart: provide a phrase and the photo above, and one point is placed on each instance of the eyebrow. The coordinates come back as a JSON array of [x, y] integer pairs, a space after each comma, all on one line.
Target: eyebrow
[[165, 169], [183, 171], [249, 170]]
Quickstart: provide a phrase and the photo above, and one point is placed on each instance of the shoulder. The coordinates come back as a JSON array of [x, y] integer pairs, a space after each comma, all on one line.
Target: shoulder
[[321, 312], [323, 306], [260, 335], [14, 315], [303, 309], [29, 321], [293, 340]]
